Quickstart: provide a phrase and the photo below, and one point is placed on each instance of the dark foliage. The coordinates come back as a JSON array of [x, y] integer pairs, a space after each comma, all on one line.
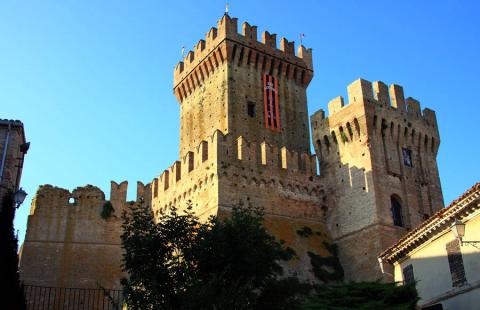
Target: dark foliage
[[363, 296], [327, 269], [181, 263], [10, 288], [305, 232], [107, 210]]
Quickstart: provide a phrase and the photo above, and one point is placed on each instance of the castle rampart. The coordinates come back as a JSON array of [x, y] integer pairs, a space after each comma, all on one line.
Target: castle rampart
[[198, 171], [68, 243]]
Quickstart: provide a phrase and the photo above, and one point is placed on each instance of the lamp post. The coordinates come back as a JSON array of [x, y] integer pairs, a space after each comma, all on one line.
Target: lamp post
[[458, 229], [20, 196]]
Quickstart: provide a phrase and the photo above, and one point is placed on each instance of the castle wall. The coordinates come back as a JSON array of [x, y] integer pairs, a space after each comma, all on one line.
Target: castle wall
[[286, 185], [68, 243], [193, 179], [226, 170]]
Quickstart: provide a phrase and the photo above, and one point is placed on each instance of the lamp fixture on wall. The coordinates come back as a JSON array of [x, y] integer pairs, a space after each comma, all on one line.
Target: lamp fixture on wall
[[20, 197], [458, 229]]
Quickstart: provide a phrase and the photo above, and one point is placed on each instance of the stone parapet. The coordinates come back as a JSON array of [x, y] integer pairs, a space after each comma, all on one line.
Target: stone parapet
[[389, 98], [202, 165], [225, 44]]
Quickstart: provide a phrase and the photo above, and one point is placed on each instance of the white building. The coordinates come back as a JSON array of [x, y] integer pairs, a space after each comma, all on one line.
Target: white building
[[441, 258]]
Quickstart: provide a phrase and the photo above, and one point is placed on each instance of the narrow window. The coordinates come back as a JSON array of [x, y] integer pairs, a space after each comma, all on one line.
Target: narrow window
[[407, 157], [271, 104], [251, 109], [334, 137], [455, 262], [396, 211], [191, 161], [350, 131], [326, 141], [319, 147], [155, 188], [204, 151], [408, 277]]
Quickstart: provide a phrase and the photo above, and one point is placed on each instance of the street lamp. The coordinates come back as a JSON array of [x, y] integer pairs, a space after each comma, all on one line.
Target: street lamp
[[20, 196], [458, 229]]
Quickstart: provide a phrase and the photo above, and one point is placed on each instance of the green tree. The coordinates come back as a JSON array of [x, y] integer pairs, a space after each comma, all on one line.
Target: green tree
[[153, 257], [10, 288], [237, 262], [363, 296], [180, 263], [232, 263]]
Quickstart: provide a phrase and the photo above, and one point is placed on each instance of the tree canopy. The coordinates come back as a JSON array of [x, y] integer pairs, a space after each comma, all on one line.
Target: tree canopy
[[178, 262]]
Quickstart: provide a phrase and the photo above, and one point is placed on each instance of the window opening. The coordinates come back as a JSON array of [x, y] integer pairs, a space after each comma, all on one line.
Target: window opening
[[408, 277], [396, 211], [407, 157], [455, 262], [251, 109]]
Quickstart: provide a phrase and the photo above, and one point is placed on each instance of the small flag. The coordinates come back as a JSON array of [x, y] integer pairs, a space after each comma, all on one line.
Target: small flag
[[183, 51], [302, 35]]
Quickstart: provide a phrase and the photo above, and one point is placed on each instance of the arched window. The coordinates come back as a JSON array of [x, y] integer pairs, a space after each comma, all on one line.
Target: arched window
[[396, 211]]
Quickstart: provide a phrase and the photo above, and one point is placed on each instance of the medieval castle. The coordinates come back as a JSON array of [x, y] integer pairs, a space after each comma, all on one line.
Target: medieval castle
[[244, 138]]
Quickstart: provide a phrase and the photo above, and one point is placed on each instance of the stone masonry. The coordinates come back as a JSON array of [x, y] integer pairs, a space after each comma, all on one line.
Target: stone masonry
[[13, 148], [68, 243], [377, 148]]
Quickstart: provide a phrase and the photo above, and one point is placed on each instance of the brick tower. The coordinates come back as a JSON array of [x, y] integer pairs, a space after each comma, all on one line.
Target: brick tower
[[220, 85], [244, 135], [378, 159]]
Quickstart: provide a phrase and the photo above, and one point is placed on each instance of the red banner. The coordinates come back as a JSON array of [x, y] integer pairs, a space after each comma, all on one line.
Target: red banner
[[270, 99]]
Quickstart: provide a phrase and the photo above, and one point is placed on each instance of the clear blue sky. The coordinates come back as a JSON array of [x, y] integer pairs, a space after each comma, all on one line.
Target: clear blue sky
[[92, 80]]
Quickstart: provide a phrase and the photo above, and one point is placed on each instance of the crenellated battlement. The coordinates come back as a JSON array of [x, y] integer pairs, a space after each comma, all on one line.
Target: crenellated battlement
[[198, 159], [224, 44], [268, 156], [81, 200], [390, 98], [225, 146], [216, 155]]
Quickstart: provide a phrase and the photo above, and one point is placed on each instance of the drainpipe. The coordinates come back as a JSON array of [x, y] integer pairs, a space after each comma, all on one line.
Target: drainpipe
[[4, 155], [23, 149]]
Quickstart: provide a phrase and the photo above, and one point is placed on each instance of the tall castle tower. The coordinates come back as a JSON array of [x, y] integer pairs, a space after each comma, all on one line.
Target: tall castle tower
[[220, 85], [244, 136], [378, 159]]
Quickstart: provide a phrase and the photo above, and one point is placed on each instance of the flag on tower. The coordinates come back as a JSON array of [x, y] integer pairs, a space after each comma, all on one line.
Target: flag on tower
[[183, 51]]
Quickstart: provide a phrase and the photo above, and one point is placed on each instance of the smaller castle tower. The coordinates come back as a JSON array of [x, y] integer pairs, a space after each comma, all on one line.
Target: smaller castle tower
[[377, 155]]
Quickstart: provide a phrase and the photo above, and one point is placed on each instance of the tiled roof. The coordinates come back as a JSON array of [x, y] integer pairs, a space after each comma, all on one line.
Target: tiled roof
[[436, 224]]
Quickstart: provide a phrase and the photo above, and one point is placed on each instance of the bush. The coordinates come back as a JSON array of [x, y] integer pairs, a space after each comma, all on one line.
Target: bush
[[107, 210]]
